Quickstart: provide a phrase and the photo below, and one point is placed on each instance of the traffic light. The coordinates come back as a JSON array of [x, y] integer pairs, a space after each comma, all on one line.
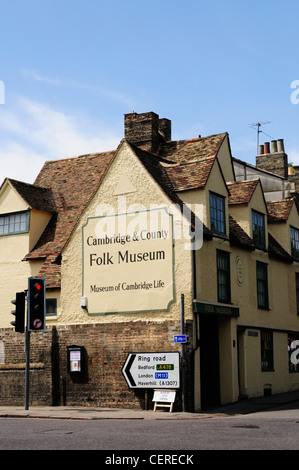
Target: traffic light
[[19, 312], [36, 300]]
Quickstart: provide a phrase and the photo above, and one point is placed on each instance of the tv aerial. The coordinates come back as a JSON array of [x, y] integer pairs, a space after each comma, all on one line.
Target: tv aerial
[[258, 125]]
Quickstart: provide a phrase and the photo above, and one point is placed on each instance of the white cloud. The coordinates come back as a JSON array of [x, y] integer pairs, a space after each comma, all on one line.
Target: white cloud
[[20, 163], [33, 132], [111, 94]]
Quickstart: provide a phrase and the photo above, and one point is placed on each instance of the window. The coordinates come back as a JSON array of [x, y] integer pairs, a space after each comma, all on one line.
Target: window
[[14, 223], [262, 285], [223, 276], [258, 230], [51, 307], [297, 292], [267, 350], [217, 213], [295, 243]]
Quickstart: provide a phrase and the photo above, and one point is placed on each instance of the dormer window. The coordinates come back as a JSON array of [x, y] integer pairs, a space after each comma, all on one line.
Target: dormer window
[[217, 213], [258, 230], [295, 243], [17, 222]]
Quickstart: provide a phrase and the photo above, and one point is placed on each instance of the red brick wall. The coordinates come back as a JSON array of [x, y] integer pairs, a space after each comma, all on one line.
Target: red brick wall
[[106, 347], [12, 368]]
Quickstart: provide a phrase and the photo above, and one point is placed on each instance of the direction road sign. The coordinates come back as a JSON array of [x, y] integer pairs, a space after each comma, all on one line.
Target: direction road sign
[[152, 370], [180, 338]]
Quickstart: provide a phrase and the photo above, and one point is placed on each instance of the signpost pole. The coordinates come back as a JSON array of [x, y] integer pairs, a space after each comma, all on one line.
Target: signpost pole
[[27, 349], [183, 351]]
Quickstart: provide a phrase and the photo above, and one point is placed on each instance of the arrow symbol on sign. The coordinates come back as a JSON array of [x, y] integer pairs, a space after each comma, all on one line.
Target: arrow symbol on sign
[[127, 370]]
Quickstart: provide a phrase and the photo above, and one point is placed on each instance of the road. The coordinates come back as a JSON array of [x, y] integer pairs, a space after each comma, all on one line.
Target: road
[[270, 430]]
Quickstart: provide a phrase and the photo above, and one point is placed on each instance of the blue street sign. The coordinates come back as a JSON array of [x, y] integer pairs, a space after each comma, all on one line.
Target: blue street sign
[[161, 375], [180, 338]]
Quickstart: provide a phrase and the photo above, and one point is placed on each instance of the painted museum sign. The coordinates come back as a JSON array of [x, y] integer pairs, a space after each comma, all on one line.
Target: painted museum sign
[[127, 262]]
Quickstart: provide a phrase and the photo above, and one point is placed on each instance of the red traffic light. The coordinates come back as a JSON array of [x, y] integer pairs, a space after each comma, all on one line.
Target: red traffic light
[[36, 304]]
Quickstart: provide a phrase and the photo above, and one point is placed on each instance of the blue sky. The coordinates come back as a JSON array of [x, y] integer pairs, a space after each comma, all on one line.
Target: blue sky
[[71, 69]]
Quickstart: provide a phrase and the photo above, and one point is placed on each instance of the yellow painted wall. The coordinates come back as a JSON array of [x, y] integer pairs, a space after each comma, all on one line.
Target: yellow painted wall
[[282, 313], [242, 213], [38, 222], [254, 381], [10, 200], [14, 272], [143, 193], [215, 184], [281, 230]]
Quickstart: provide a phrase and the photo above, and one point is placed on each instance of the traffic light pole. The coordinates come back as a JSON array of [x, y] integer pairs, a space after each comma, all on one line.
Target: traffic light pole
[[27, 370]]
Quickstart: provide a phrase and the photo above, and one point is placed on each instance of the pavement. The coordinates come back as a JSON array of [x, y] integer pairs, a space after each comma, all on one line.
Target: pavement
[[241, 407]]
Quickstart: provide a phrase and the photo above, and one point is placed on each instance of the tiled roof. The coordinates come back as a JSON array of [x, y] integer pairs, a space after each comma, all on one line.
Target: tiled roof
[[156, 168], [194, 149], [34, 196], [184, 176], [279, 211], [275, 250], [187, 163], [238, 236], [74, 179], [72, 183], [51, 271], [241, 192]]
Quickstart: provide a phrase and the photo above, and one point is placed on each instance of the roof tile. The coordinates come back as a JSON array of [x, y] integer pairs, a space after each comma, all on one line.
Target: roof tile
[[241, 192], [35, 196], [279, 211], [194, 149]]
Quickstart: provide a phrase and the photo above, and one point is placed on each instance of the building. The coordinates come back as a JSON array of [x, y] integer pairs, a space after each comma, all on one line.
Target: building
[[121, 238]]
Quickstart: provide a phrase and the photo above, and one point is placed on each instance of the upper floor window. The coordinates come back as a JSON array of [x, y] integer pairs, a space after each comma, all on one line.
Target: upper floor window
[[223, 276], [267, 350], [262, 285], [217, 213], [18, 222], [297, 292], [295, 243], [258, 230]]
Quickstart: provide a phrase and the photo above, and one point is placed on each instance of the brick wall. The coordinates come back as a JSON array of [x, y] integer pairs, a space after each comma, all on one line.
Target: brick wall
[[106, 347], [12, 368], [276, 163]]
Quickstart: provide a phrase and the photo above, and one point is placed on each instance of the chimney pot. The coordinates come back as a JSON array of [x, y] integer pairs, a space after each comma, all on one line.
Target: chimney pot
[[280, 145], [267, 147], [273, 146], [261, 150]]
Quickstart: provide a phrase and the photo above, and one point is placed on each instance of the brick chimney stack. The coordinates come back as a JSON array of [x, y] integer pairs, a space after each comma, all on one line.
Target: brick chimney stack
[[273, 159], [146, 130]]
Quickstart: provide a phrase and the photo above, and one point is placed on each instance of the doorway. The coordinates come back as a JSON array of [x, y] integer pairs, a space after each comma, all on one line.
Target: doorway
[[209, 361]]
